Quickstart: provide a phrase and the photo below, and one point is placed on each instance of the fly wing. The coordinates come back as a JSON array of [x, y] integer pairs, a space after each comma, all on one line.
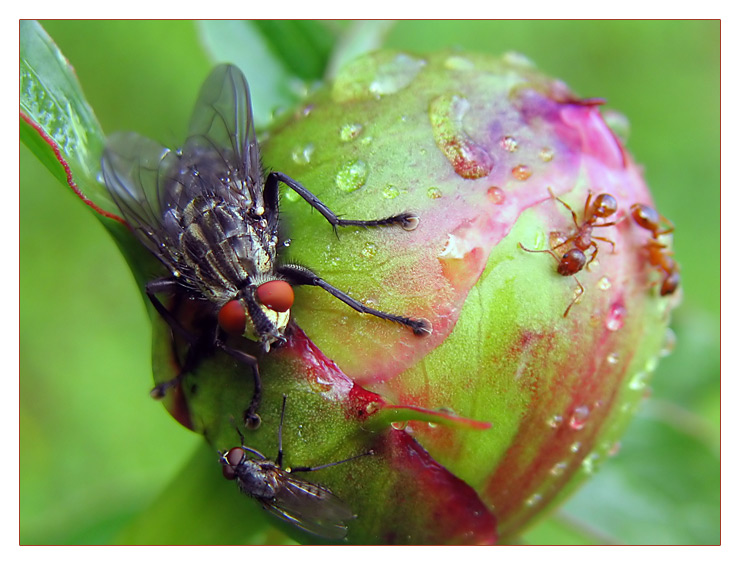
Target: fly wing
[[134, 170], [221, 140], [310, 507]]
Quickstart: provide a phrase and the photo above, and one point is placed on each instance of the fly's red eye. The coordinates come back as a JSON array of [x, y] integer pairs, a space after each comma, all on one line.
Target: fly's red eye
[[230, 461], [276, 295], [232, 317]]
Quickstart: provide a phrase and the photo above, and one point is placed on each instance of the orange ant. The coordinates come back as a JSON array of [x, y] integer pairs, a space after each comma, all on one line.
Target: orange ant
[[574, 260], [648, 218], [604, 206], [658, 254]]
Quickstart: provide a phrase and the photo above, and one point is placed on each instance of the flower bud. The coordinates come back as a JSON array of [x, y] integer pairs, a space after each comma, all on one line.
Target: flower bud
[[543, 293]]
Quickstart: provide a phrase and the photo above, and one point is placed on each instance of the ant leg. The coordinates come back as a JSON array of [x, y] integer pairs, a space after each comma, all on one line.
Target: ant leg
[[406, 220], [605, 240], [576, 299], [564, 203], [541, 251], [298, 275]]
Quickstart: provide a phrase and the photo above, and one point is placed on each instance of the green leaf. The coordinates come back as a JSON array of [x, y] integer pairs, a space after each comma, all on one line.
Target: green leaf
[[359, 38], [272, 83], [58, 124], [191, 511], [302, 46]]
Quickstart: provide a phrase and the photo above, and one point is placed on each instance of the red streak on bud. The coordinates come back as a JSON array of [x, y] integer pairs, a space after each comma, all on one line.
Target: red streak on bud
[[452, 511]]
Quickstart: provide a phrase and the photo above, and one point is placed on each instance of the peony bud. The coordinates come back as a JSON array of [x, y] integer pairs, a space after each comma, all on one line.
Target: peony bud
[[543, 291]]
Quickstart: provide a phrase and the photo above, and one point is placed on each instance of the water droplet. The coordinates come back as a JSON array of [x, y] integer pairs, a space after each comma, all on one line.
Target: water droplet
[[589, 463], [604, 283], [638, 380], [669, 343], [517, 60], [579, 417], [432, 425], [521, 172], [555, 421], [307, 109], [496, 195], [302, 155], [558, 469], [509, 144], [651, 364], [615, 319], [612, 358], [396, 74], [434, 193], [458, 63], [470, 160], [391, 192], [369, 250], [546, 154], [575, 447], [287, 242], [533, 500], [557, 238], [399, 425], [372, 407], [348, 132], [352, 176]]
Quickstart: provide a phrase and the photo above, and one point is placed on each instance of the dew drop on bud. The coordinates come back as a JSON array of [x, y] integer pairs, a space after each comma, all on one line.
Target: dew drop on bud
[[348, 132], [496, 195], [579, 417], [352, 176], [669, 342], [604, 283], [302, 155], [555, 421], [521, 172], [546, 155], [615, 319], [509, 144], [558, 469], [434, 193]]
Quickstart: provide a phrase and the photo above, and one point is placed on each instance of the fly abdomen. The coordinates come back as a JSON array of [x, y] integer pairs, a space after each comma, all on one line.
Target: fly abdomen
[[222, 246]]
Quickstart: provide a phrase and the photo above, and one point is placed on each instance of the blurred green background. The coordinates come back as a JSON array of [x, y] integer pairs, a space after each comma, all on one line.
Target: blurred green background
[[96, 451]]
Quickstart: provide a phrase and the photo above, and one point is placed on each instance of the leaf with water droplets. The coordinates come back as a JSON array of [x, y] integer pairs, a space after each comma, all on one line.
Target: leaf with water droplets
[[57, 123]]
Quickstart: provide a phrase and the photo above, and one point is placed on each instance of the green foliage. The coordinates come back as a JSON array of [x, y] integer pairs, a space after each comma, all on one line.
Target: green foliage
[[84, 344]]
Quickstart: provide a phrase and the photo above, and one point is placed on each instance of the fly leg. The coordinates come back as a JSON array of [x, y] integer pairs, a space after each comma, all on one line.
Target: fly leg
[[201, 347], [252, 420], [279, 458], [406, 220], [298, 275]]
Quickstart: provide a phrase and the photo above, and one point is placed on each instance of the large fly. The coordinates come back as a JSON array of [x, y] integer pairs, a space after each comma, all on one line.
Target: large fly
[[306, 505], [210, 215]]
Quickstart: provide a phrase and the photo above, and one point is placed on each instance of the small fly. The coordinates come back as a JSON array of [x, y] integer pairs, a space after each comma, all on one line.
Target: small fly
[[308, 506], [210, 215]]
